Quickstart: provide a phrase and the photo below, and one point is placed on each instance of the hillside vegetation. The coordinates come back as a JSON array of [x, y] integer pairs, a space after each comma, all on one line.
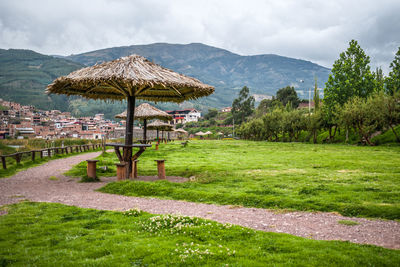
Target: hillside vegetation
[[24, 75], [225, 70]]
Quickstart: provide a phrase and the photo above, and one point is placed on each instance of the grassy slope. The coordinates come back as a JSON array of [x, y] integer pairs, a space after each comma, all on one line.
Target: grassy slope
[[43, 234], [352, 180]]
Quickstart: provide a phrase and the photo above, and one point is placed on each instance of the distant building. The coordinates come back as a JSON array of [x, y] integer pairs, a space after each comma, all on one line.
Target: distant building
[[305, 105], [99, 117], [185, 115], [226, 109], [28, 132]]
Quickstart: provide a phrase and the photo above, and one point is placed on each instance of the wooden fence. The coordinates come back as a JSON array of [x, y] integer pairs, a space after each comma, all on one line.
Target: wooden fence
[[48, 152]]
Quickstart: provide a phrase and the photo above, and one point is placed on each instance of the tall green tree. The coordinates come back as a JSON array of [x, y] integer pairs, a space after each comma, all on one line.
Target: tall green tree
[[266, 105], [212, 113], [288, 95], [393, 79], [351, 76], [379, 80], [316, 95], [243, 106]]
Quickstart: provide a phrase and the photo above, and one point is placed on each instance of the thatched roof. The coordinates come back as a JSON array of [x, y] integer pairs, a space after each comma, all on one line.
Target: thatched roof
[[181, 130], [159, 125], [199, 133], [208, 132], [147, 111], [132, 75]]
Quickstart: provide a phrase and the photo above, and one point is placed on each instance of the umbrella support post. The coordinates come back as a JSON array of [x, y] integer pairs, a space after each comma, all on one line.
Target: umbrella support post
[[134, 169], [161, 169], [127, 158], [127, 155], [121, 171]]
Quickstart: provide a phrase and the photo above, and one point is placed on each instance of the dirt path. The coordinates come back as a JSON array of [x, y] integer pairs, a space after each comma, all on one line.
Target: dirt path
[[34, 184]]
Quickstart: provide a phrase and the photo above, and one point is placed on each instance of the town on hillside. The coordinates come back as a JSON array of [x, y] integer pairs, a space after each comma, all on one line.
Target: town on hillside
[[20, 121]]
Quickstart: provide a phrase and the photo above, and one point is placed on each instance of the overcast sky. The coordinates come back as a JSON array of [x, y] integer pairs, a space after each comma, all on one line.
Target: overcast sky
[[312, 30]]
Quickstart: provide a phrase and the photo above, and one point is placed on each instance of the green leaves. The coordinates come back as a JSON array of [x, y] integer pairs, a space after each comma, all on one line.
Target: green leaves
[[243, 106], [288, 95], [393, 80], [351, 76]]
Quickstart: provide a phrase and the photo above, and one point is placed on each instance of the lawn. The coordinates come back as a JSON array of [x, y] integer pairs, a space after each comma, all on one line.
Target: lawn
[[351, 180], [43, 234]]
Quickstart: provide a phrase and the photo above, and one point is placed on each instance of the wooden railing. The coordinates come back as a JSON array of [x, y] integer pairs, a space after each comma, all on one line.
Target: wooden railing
[[48, 152]]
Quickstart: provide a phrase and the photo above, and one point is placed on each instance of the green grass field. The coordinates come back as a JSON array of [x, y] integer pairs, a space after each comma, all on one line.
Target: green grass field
[[43, 234], [351, 180]]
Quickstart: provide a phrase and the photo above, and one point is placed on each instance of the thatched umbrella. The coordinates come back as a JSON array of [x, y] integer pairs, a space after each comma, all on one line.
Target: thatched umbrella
[[159, 126], [128, 78], [181, 130], [146, 112], [199, 133]]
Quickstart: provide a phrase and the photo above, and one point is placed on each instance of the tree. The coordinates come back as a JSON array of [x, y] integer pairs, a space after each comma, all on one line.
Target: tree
[[393, 80], [267, 105], [314, 123], [253, 130], [351, 76], [389, 109], [379, 80], [365, 116], [242, 107], [288, 95], [212, 113], [316, 96]]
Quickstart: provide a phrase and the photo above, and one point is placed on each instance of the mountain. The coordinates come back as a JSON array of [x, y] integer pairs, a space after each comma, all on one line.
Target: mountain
[[24, 75], [227, 71]]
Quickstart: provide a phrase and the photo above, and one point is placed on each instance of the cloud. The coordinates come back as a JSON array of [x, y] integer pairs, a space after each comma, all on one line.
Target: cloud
[[313, 30]]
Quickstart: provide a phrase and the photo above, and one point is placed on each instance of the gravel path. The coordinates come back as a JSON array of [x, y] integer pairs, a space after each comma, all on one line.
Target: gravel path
[[34, 184]]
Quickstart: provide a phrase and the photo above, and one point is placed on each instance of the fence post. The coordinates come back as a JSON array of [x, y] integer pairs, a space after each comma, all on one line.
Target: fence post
[[33, 155], [49, 152], [41, 154], [3, 160], [18, 157]]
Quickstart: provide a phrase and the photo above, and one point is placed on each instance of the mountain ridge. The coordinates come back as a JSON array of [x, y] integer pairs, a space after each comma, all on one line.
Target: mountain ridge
[[265, 73], [24, 74]]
